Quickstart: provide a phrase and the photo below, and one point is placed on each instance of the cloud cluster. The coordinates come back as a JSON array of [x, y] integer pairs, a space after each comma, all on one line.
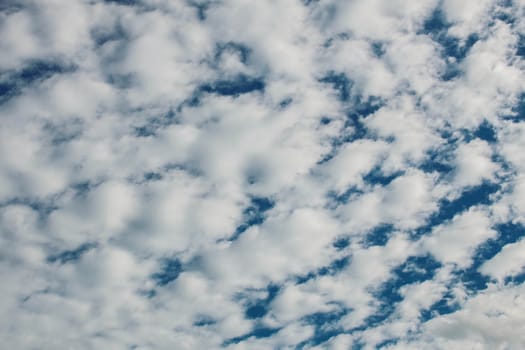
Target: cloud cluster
[[307, 174]]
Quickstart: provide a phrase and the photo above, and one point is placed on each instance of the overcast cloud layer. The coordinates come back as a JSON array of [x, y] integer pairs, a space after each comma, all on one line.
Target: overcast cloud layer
[[262, 174]]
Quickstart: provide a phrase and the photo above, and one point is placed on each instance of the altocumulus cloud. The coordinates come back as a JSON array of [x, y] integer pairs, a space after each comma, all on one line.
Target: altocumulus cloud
[[262, 175]]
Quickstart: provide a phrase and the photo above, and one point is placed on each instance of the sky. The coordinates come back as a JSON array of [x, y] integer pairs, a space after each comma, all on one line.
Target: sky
[[274, 174]]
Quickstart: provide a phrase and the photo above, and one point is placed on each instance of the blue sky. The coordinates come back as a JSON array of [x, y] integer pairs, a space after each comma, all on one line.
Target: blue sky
[[212, 174]]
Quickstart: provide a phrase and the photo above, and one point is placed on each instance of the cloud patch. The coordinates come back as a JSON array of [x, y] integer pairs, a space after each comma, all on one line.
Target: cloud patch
[[295, 175]]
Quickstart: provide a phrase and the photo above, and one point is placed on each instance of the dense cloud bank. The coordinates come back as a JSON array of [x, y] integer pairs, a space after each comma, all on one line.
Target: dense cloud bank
[[262, 174]]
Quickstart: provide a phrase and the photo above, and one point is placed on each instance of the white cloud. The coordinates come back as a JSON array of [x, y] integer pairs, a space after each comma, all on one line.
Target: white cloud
[[467, 16], [352, 162], [455, 242], [225, 146], [413, 135], [473, 163], [406, 202], [296, 242], [490, 320], [508, 262]]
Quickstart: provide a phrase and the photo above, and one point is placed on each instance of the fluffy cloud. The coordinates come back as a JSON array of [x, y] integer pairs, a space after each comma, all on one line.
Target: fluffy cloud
[[295, 175]]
